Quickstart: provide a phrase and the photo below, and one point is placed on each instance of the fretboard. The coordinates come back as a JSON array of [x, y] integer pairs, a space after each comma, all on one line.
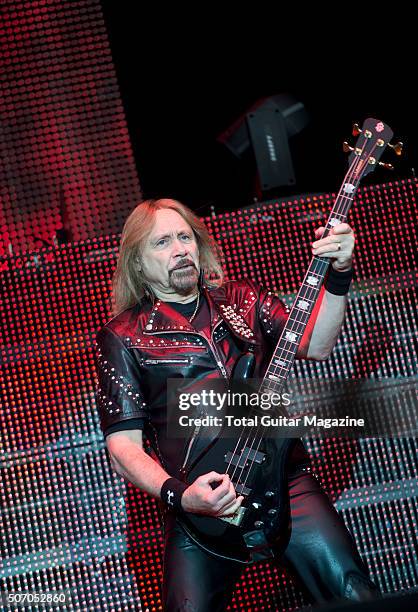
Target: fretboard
[[287, 346]]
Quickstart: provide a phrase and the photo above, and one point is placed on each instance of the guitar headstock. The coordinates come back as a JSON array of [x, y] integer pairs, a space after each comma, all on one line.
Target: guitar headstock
[[372, 139]]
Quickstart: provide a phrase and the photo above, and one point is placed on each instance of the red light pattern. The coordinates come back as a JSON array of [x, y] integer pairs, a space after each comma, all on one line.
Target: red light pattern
[[68, 519], [64, 143]]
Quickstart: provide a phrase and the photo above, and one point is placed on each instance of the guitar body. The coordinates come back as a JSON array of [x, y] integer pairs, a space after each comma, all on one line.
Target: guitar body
[[260, 529]]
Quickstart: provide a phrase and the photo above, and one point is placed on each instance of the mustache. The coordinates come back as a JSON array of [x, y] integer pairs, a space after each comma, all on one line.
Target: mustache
[[182, 264]]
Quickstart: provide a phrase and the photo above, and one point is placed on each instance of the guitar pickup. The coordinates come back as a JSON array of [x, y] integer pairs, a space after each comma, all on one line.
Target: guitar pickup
[[247, 455], [241, 489]]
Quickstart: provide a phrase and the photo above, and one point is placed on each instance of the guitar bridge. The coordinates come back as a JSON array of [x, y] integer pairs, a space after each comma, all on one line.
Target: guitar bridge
[[236, 518]]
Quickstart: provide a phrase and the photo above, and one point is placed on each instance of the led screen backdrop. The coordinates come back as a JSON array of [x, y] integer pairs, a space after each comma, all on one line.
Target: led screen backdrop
[[66, 166], [68, 521]]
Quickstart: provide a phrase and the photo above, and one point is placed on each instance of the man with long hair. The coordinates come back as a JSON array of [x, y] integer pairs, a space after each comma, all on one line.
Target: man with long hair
[[170, 306]]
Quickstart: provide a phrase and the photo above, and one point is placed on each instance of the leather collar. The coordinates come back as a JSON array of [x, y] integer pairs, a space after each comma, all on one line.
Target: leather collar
[[164, 318]]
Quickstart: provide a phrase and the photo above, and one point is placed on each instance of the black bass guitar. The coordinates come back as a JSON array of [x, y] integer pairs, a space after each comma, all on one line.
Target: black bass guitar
[[257, 463]]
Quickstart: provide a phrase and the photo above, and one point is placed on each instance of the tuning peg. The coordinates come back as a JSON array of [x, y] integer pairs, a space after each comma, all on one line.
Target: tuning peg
[[356, 129], [346, 147], [387, 166], [397, 147]]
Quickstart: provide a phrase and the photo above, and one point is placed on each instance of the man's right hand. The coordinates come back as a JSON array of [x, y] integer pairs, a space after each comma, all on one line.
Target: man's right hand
[[201, 498]]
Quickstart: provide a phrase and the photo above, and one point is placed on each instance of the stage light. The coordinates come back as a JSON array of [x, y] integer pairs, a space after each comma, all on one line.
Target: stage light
[[265, 129]]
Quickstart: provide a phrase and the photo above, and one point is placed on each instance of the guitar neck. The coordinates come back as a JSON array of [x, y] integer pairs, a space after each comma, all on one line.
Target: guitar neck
[[290, 339]]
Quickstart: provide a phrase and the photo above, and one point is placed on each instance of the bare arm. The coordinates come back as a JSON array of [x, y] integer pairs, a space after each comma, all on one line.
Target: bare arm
[[325, 323], [324, 327], [130, 461]]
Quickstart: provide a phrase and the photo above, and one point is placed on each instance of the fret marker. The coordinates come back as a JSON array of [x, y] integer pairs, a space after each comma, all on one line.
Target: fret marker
[[311, 280], [280, 362], [290, 336], [348, 188], [303, 305], [274, 377], [333, 221]]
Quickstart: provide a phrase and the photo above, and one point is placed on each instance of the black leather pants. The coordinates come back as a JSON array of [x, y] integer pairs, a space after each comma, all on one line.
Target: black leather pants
[[321, 552]]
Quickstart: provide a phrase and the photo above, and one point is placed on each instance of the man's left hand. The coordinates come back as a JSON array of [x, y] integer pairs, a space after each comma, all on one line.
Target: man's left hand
[[338, 246]]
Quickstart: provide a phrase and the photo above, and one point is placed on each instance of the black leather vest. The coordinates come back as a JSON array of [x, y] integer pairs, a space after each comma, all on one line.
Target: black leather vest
[[139, 349]]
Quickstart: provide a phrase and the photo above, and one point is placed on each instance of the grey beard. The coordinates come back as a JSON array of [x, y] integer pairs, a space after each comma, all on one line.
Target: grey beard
[[184, 280]]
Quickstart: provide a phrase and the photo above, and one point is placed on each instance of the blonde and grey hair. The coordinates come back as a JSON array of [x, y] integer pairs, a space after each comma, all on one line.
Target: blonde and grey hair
[[128, 284]]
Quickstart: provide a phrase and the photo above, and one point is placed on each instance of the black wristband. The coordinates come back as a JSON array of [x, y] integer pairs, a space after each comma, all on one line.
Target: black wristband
[[171, 493], [338, 283]]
